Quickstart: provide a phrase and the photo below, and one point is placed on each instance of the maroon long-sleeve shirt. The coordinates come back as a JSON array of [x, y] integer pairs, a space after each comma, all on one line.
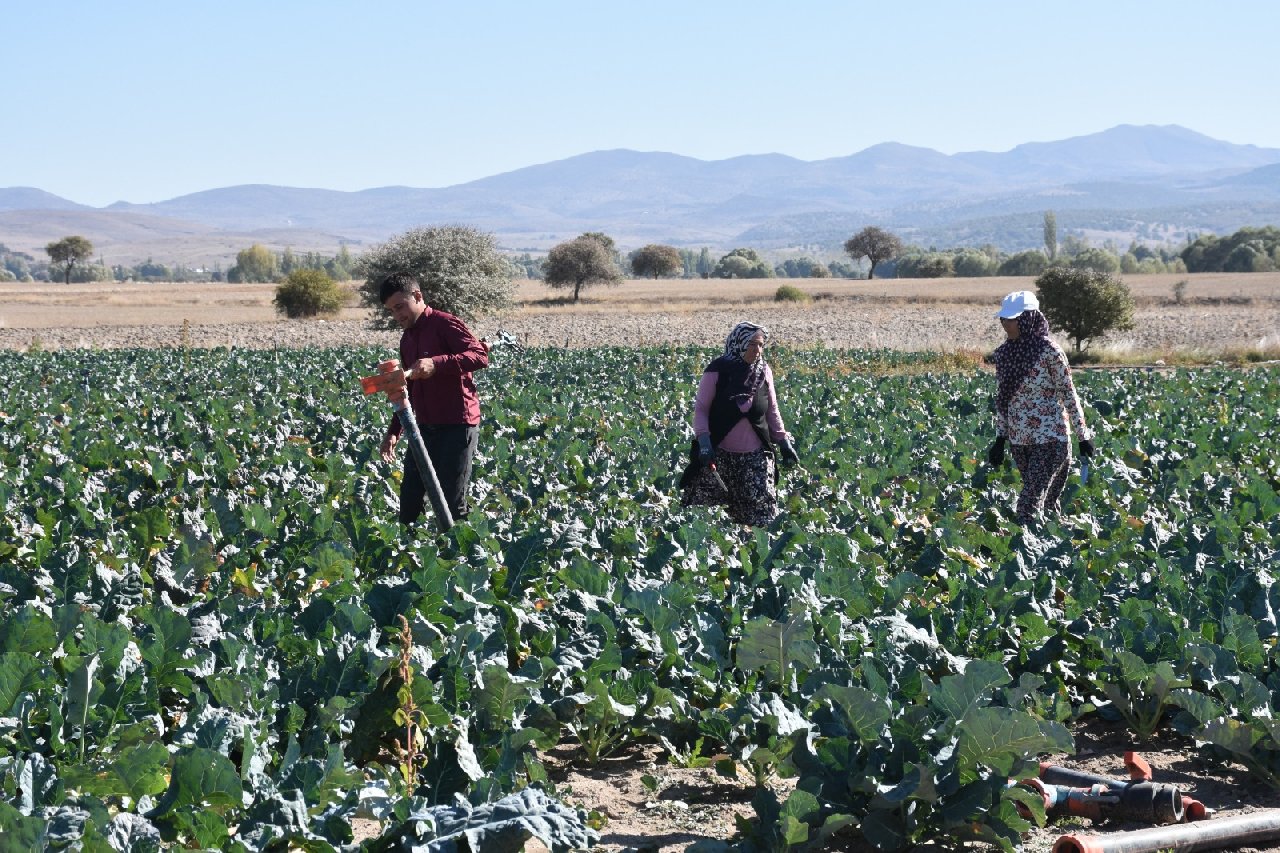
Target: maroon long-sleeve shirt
[[448, 396]]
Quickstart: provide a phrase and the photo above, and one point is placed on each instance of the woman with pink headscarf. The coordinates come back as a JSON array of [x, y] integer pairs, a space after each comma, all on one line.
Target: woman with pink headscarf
[[1036, 406]]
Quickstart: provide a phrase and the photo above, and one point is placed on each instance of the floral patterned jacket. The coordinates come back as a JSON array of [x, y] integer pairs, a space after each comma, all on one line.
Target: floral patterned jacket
[[1040, 407]]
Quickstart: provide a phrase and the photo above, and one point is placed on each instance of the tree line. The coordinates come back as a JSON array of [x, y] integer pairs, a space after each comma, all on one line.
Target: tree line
[[70, 259], [462, 271], [593, 258], [259, 264], [1247, 250], [871, 252]]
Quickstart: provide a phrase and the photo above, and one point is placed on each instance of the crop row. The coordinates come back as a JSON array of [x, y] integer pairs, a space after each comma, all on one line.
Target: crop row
[[214, 633]]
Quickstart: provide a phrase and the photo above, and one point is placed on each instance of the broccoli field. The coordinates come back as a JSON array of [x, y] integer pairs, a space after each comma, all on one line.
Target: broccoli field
[[213, 633]]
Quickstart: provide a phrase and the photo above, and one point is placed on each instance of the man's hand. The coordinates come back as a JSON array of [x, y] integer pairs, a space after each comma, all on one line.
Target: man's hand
[[706, 453], [423, 368], [387, 450]]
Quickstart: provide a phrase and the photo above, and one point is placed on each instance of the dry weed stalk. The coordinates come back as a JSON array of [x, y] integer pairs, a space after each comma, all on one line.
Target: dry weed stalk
[[409, 754]]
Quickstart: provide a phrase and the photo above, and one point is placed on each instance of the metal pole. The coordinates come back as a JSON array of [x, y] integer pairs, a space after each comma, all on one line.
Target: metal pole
[[1250, 830], [427, 471], [390, 380]]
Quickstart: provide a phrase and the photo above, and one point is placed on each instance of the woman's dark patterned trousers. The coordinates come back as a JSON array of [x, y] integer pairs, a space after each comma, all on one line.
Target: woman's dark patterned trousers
[[1044, 470]]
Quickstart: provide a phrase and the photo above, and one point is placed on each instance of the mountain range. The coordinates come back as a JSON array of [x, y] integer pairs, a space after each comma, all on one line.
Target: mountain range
[[1152, 183]]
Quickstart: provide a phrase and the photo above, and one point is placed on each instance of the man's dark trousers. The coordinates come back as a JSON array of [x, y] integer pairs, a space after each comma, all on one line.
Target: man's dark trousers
[[450, 447]]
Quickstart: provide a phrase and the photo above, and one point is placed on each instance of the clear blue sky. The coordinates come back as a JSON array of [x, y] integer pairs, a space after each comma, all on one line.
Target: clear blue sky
[[144, 101]]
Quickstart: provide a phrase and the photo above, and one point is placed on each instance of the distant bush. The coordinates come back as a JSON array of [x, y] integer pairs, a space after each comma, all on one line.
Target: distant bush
[[970, 263], [790, 293], [925, 265], [1097, 260], [802, 267], [1032, 262], [309, 293]]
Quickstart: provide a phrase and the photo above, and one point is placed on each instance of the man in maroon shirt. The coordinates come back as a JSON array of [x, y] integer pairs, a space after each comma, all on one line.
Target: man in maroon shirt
[[439, 354]]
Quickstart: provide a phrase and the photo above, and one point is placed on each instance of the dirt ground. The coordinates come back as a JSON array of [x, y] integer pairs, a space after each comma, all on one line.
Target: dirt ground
[[1218, 312], [638, 802], [680, 806]]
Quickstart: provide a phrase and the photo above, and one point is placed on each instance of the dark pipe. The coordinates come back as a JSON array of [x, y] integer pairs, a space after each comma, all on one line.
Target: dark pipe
[[1148, 802], [1140, 801], [1244, 831], [1052, 774], [444, 518]]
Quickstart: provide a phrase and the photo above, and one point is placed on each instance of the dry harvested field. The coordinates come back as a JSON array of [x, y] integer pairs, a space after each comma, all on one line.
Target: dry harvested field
[[1219, 311]]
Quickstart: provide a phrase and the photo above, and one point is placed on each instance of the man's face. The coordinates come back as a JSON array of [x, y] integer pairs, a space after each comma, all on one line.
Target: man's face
[[406, 307]]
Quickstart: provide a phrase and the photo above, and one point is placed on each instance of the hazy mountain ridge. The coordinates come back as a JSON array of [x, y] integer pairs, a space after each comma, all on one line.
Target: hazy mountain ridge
[[770, 200]]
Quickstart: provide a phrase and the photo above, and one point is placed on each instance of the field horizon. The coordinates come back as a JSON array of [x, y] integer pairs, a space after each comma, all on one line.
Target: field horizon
[[42, 305]]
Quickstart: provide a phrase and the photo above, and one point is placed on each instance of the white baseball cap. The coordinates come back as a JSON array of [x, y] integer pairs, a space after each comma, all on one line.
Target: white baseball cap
[[1017, 302]]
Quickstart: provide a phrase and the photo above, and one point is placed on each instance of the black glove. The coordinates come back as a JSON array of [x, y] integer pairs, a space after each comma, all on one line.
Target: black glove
[[1086, 448], [995, 456], [706, 453], [788, 453]]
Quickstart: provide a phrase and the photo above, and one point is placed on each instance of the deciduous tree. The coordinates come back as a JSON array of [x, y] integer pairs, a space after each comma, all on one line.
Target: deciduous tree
[[971, 263], [1084, 304], [1098, 260], [800, 268], [655, 260], [256, 263], [459, 267], [1051, 234], [917, 264], [579, 263], [610, 246], [705, 264], [742, 263], [874, 244], [1031, 262], [64, 254]]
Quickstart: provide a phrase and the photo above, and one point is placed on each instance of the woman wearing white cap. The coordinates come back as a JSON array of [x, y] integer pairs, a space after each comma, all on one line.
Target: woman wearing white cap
[[1036, 406]]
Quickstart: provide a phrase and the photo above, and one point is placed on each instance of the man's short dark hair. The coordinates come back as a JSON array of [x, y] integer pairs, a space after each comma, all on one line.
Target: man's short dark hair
[[397, 282]]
